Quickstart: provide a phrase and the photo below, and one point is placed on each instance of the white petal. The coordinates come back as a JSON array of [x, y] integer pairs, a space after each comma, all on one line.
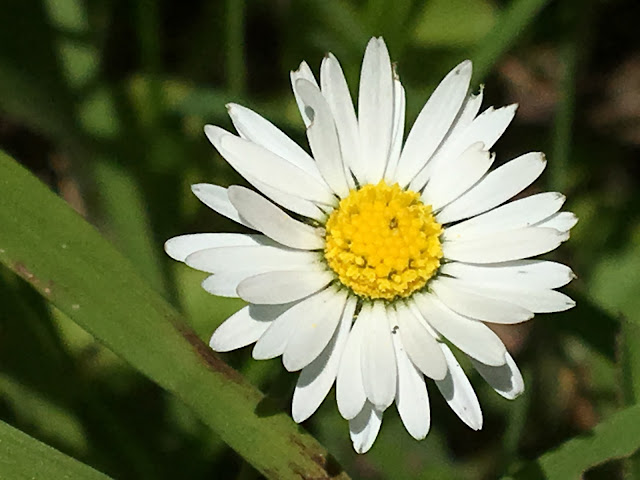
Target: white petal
[[254, 127], [256, 259], [540, 274], [467, 303], [473, 338], [433, 122], [504, 246], [487, 128], [303, 72], [274, 341], [420, 345], [506, 379], [244, 327], [378, 362], [215, 197], [297, 205], [316, 379], [495, 188], [456, 176], [273, 288], [397, 135], [536, 300], [561, 221], [225, 284], [364, 428], [254, 161], [336, 92], [249, 255], [416, 313], [350, 394], [375, 109], [323, 138], [180, 247], [467, 113], [517, 214], [315, 327], [412, 400], [459, 393], [273, 222]]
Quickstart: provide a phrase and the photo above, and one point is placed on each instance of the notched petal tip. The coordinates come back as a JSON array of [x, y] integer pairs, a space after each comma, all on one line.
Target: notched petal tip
[[302, 67]]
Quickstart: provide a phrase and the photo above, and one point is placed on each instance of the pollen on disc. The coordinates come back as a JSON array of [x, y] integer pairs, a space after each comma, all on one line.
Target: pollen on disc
[[383, 242]]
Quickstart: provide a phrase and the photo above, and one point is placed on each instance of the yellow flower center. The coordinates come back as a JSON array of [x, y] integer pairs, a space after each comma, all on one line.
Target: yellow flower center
[[383, 242]]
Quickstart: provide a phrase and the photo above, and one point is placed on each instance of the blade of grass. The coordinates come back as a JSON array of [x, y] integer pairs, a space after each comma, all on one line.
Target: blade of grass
[[68, 262], [236, 70], [571, 54], [127, 221], [24, 457], [616, 437], [510, 25], [630, 365]]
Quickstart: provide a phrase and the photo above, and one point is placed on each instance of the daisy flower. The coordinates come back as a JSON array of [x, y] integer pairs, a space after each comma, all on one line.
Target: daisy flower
[[373, 254]]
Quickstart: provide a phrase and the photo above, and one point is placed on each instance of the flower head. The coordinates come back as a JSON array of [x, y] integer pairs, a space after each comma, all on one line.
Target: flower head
[[373, 251]]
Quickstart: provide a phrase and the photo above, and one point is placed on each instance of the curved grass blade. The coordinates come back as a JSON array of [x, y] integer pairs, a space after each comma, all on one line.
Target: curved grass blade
[[24, 457], [68, 262]]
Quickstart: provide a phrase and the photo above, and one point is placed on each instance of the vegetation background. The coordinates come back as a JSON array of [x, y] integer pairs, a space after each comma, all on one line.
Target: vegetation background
[[104, 101]]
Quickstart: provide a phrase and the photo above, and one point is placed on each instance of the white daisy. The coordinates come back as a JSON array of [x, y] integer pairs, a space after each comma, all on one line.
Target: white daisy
[[374, 251]]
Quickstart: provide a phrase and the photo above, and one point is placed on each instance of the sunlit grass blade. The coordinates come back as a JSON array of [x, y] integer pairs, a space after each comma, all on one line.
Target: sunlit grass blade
[[616, 437], [69, 263], [24, 457]]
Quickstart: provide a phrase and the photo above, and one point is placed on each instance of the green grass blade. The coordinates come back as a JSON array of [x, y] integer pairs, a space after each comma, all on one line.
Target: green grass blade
[[511, 24], [616, 437], [630, 366], [68, 262], [24, 457], [235, 55], [572, 53]]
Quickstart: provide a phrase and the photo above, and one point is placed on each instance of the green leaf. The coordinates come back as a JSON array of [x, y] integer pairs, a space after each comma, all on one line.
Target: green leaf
[[67, 261], [24, 457], [616, 437], [616, 280]]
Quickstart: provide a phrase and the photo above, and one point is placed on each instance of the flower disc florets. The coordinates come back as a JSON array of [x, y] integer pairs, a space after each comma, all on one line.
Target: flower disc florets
[[383, 242]]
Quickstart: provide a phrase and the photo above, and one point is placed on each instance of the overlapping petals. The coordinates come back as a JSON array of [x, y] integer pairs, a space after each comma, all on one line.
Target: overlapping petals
[[380, 353]]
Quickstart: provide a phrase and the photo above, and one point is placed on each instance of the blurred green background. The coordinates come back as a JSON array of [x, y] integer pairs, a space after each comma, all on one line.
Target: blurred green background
[[105, 102]]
